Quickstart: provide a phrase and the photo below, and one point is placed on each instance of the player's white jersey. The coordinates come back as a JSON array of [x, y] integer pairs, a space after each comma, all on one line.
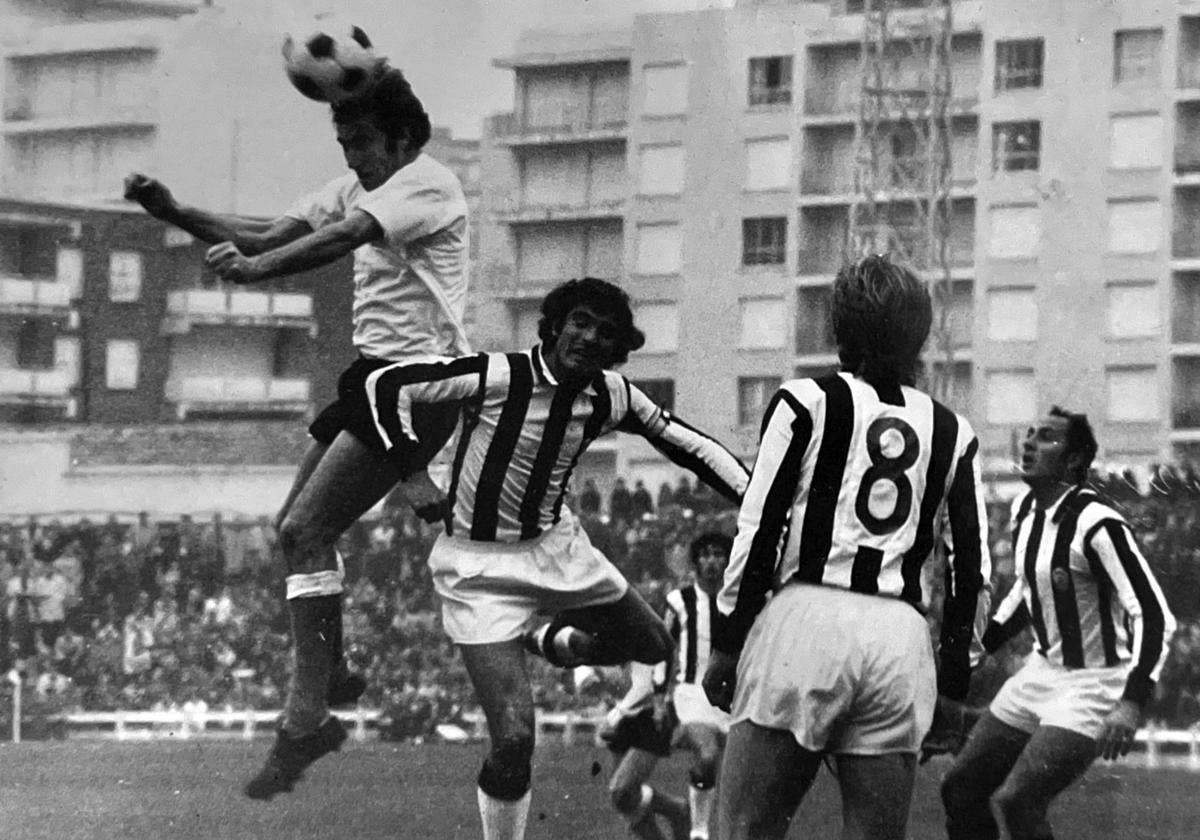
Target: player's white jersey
[[848, 490], [690, 620]]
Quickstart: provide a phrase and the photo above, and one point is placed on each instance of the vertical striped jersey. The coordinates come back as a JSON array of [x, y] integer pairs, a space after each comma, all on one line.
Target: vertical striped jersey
[[1086, 589], [851, 488], [523, 433], [690, 612]]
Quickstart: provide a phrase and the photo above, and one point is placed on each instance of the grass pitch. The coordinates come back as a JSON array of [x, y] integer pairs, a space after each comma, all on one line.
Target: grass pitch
[[189, 790]]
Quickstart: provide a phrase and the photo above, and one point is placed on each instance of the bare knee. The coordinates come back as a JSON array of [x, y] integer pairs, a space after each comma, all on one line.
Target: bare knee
[[1019, 809], [703, 772], [961, 791], [305, 545], [625, 795], [508, 769]]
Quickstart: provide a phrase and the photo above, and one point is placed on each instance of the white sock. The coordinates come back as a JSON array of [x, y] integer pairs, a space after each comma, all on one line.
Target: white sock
[[639, 812], [503, 820], [700, 803]]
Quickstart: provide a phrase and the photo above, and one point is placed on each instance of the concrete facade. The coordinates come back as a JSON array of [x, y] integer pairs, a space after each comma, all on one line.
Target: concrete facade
[[1076, 256]]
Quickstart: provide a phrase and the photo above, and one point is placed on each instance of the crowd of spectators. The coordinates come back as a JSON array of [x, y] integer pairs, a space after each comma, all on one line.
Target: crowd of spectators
[[155, 615]]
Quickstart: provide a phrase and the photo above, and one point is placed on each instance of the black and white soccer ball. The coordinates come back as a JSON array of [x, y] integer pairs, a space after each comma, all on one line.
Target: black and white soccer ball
[[332, 64]]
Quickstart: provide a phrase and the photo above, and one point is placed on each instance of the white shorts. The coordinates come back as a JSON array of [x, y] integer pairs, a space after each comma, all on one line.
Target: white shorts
[[1044, 694], [491, 591], [843, 672], [692, 708]]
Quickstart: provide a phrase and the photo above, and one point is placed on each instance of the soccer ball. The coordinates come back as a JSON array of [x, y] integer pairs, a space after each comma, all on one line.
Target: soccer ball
[[331, 65]]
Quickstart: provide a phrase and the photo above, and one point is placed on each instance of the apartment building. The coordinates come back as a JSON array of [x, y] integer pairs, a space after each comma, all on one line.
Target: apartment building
[[705, 160], [121, 360]]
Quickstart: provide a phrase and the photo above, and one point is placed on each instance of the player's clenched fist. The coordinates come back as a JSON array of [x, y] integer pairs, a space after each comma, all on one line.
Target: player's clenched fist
[[720, 679], [230, 264], [150, 193]]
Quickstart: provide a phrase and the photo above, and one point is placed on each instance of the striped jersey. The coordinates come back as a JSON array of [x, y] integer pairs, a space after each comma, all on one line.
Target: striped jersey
[[851, 488], [523, 433], [690, 611], [1086, 590]]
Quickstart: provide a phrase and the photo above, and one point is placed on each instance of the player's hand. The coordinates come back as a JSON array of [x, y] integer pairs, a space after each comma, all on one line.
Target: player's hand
[[150, 193], [948, 732], [720, 679], [427, 500], [1120, 727], [232, 265]]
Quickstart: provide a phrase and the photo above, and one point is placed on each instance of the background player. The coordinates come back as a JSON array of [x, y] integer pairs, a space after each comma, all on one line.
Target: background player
[[638, 731], [404, 217], [691, 610], [1102, 630], [840, 516], [511, 549]]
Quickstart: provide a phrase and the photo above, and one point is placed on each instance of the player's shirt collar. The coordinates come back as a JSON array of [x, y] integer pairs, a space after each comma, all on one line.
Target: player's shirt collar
[[541, 368]]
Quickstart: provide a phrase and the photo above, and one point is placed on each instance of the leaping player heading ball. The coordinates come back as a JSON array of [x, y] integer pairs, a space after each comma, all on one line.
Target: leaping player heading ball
[[404, 217]]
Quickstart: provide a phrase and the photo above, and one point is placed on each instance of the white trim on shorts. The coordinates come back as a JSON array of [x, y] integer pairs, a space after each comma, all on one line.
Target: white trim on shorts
[[693, 709]]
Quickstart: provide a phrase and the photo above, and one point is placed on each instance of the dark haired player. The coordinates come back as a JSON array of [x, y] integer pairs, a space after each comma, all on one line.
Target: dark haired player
[[692, 610], [511, 548], [404, 217], [638, 732], [853, 474], [1101, 632]]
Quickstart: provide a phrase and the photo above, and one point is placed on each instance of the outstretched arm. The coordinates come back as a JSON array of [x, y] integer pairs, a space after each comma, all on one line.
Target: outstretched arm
[[250, 236], [315, 249]]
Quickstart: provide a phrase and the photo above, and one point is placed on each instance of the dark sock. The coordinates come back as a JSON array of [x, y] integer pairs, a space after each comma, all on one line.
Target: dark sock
[[313, 623]]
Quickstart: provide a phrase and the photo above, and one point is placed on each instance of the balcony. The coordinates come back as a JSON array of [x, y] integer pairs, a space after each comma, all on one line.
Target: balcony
[[37, 387], [588, 209], [34, 297], [194, 307], [839, 103], [21, 120], [564, 124], [233, 395]]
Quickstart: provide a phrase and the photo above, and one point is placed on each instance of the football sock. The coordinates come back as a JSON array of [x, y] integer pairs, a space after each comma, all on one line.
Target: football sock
[[313, 621], [700, 802], [564, 646], [502, 819], [645, 797]]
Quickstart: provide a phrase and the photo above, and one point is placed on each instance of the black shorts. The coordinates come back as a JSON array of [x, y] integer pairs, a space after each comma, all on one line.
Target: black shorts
[[642, 732], [351, 412]]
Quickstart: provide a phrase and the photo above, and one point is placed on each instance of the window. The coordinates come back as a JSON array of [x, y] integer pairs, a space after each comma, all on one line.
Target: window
[[1012, 315], [763, 324], [1137, 57], [665, 91], [814, 323], [1011, 397], [661, 170], [1133, 310], [35, 344], [1132, 394], [764, 240], [1014, 232], [121, 361], [660, 323], [754, 394], [1135, 142], [124, 276], [1018, 64], [662, 391], [525, 318], [768, 164], [1016, 146], [771, 80], [68, 270], [659, 249], [67, 357], [1134, 227]]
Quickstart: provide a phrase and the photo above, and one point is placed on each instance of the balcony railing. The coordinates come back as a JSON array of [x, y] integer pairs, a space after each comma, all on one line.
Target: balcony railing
[[35, 385], [566, 122], [589, 208], [218, 393], [22, 118], [19, 295], [213, 306]]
